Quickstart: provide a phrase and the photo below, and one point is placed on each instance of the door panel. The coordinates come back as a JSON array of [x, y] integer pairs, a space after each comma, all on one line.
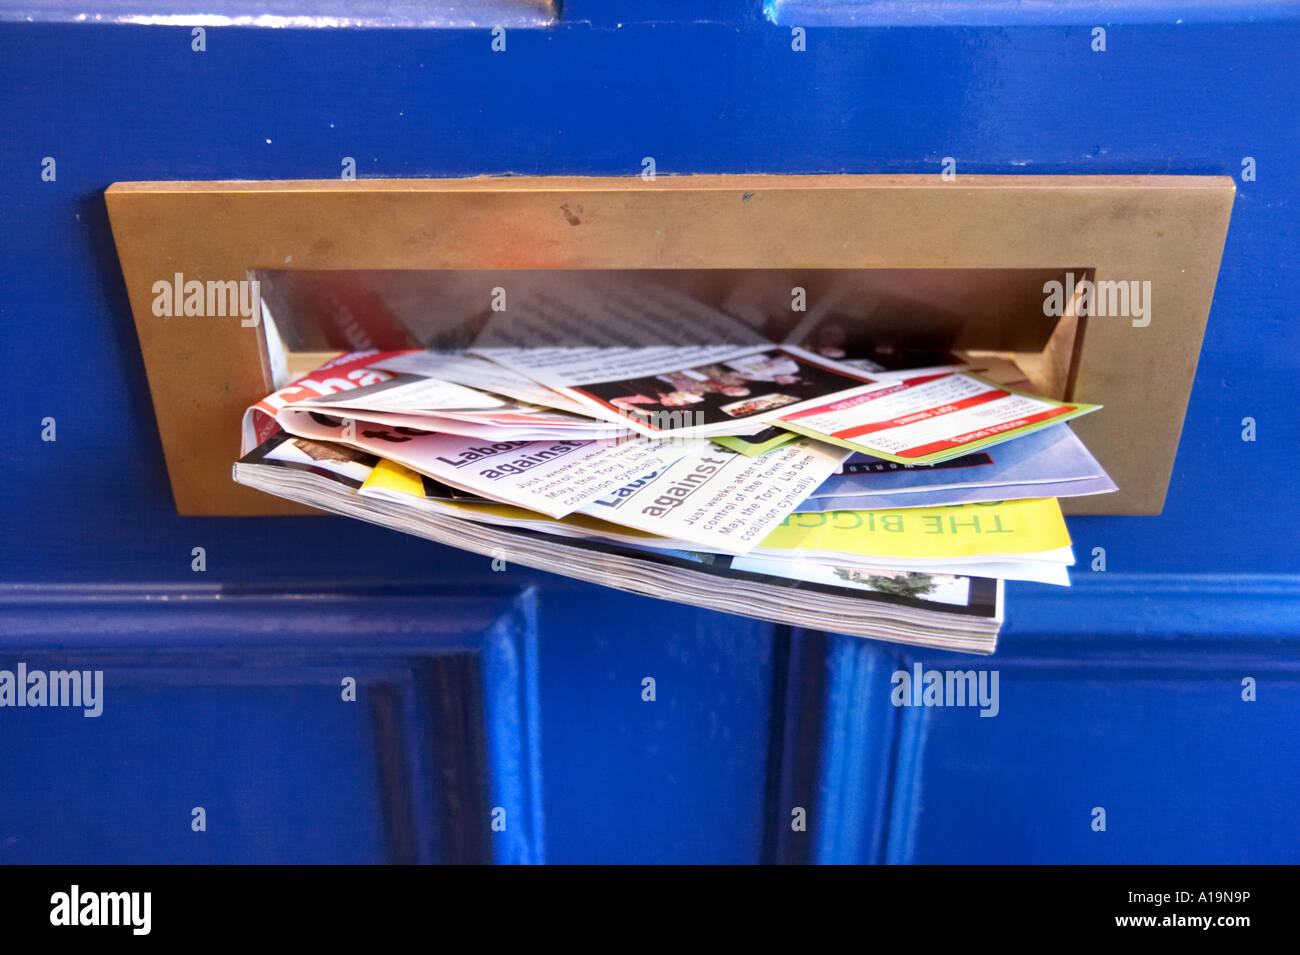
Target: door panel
[[241, 706], [1185, 769]]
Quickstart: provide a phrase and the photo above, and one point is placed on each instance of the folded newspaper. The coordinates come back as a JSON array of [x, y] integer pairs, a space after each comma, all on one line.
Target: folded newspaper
[[747, 477]]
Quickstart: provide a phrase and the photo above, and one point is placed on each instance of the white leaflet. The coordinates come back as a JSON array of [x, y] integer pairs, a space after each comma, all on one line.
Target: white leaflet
[[406, 393], [555, 477], [482, 374], [848, 574], [718, 499], [297, 421]]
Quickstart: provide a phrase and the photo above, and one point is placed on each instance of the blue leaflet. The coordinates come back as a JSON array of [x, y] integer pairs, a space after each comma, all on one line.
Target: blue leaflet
[[1049, 463]]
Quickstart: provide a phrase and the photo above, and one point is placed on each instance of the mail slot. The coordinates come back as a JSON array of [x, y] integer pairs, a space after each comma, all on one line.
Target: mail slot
[[1090, 288]]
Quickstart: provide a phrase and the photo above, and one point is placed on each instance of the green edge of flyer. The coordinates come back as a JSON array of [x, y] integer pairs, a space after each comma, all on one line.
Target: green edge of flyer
[[752, 449]]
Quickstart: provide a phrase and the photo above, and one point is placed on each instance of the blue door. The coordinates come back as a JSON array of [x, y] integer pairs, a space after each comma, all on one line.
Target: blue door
[[324, 691]]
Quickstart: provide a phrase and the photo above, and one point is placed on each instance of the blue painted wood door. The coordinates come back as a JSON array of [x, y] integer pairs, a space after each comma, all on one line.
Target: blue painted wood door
[[505, 716]]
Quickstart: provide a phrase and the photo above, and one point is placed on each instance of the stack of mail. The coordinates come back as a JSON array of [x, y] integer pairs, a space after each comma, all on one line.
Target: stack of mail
[[722, 470]]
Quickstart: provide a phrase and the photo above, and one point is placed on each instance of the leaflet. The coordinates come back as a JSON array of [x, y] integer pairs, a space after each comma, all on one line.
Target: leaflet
[[719, 499], [394, 482], [984, 531], [430, 404], [481, 374], [932, 585], [555, 477], [604, 351], [692, 392], [1053, 458], [928, 418], [407, 393], [344, 373], [519, 427], [961, 494]]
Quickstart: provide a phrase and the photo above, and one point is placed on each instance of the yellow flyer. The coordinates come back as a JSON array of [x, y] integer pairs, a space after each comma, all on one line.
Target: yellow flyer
[[393, 477], [925, 533]]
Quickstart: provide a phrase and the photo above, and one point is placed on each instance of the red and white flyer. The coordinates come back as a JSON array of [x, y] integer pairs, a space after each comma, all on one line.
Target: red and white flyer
[[344, 373], [929, 417]]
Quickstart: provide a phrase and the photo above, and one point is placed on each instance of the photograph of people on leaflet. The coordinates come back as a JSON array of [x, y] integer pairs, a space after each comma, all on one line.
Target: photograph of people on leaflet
[[723, 391]]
